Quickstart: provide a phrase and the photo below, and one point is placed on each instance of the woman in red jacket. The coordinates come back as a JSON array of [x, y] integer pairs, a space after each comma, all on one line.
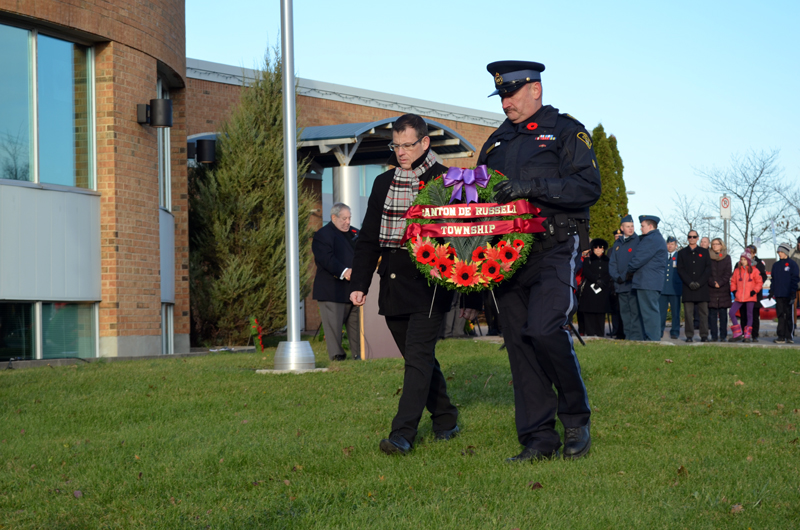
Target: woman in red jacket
[[745, 284]]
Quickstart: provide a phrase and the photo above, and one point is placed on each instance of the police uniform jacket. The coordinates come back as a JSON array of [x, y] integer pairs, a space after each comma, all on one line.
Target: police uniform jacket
[[672, 280], [554, 151], [649, 262], [403, 289], [621, 254], [694, 266], [595, 272], [333, 253], [721, 274], [785, 277]]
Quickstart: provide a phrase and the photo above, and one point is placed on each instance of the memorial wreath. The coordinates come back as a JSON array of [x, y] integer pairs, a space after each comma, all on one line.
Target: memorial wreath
[[461, 240]]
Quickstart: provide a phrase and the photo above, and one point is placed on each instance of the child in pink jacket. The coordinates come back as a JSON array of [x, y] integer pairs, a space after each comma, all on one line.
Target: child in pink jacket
[[746, 283]]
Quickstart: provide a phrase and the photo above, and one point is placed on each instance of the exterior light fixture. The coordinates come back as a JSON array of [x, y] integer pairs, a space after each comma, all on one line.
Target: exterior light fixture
[[157, 114], [206, 151]]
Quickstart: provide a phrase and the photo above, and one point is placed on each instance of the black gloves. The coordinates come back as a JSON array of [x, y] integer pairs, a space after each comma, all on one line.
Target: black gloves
[[752, 293], [599, 284], [620, 280], [694, 286], [510, 190], [770, 297], [629, 276]]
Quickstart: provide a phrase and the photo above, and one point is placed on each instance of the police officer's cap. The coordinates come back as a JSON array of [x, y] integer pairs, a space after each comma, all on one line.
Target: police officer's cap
[[627, 219], [510, 76], [671, 239], [653, 218]]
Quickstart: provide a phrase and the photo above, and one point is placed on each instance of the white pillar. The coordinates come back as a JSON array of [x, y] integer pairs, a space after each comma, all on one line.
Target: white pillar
[[347, 189]]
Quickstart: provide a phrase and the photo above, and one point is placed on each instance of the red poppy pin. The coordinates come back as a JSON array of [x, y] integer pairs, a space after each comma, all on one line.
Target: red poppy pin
[[532, 126], [700, 255], [630, 250], [421, 185]]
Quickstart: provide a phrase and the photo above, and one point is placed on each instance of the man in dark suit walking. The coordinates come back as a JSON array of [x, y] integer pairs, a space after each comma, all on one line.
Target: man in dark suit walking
[[333, 248], [413, 310]]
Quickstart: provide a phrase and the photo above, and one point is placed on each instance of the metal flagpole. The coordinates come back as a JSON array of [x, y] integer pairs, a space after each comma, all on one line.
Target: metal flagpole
[[293, 354]]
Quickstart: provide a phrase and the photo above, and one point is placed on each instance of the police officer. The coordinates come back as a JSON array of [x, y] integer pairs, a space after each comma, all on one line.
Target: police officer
[[621, 254], [548, 159]]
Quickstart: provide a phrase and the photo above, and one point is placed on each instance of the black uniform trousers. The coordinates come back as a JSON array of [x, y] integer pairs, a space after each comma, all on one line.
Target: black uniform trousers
[[784, 307], [423, 382], [535, 308]]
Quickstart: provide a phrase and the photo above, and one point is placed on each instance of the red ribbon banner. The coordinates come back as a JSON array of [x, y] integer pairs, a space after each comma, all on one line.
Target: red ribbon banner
[[488, 228], [470, 211]]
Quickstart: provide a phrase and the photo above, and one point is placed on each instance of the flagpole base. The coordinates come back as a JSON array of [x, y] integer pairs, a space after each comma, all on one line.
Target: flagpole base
[[296, 355]]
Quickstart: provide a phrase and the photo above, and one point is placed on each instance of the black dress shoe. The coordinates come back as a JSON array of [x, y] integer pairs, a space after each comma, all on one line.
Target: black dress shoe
[[703, 339], [446, 435], [689, 339], [529, 454], [395, 445], [577, 441]]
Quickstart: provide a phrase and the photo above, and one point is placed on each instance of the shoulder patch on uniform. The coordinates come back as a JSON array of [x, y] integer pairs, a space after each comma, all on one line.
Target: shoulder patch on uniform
[[583, 137], [593, 164]]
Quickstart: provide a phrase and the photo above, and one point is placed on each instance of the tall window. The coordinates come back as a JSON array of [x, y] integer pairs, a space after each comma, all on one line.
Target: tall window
[[167, 334], [164, 156], [46, 109]]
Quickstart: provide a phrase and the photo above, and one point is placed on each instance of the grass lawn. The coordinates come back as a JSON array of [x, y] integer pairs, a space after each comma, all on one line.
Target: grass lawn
[[205, 442]]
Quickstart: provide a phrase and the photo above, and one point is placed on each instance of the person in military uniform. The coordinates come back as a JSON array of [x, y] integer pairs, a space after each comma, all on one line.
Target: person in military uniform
[[548, 159], [671, 291], [414, 311], [621, 254], [646, 270]]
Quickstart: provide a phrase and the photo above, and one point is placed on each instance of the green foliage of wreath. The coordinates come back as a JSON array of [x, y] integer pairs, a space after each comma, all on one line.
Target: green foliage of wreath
[[440, 271]]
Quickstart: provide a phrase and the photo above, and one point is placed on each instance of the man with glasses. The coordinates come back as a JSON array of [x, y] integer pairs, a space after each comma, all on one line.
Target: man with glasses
[[413, 310], [694, 268], [622, 252], [548, 159]]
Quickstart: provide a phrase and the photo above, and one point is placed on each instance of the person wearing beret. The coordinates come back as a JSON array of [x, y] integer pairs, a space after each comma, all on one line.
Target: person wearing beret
[[694, 268], [548, 159], [414, 310], [670, 300], [621, 254], [594, 299], [646, 271], [333, 247]]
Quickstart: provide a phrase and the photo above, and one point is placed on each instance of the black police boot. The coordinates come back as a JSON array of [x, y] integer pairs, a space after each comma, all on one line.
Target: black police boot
[[577, 441], [529, 454], [443, 436]]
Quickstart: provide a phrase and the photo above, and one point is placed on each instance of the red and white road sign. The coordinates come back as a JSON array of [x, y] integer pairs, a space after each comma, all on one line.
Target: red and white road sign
[[725, 207]]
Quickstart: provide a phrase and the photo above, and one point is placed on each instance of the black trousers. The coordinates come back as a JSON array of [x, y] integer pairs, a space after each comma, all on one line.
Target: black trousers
[[784, 307], [594, 324], [535, 308], [423, 382], [718, 315]]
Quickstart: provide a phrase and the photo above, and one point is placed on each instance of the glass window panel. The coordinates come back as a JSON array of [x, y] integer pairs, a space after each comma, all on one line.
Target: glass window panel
[[17, 332], [164, 156], [16, 110], [68, 330], [64, 102]]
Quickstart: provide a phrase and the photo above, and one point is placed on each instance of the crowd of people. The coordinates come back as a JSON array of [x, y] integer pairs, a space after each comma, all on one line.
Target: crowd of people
[[642, 281]]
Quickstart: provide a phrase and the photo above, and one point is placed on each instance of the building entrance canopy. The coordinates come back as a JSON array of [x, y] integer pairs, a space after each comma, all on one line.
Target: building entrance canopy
[[351, 144]]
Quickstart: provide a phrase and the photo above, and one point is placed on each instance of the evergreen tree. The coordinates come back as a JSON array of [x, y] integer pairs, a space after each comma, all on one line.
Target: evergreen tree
[[622, 192], [237, 248], [604, 217]]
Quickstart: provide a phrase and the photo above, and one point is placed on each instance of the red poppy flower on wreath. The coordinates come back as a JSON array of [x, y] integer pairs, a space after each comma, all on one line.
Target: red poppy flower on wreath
[[490, 269], [464, 274], [518, 244], [425, 253], [501, 243], [479, 254], [509, 254], [421, 185], [444, 267]]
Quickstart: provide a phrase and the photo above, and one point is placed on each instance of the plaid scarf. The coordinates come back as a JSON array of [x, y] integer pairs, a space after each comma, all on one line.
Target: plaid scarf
[[402, 192]]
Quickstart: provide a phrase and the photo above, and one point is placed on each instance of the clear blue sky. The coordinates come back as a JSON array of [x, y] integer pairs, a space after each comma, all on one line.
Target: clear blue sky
[[682, 84]]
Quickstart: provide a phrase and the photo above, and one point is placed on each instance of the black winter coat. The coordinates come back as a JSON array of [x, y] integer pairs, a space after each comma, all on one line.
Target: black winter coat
[[595, 271], [333, 253], [721, 271], [694, 266], [403, 289]]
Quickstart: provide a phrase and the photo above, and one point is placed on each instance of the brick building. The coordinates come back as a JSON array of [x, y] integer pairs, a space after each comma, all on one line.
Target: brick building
[[93, 203]]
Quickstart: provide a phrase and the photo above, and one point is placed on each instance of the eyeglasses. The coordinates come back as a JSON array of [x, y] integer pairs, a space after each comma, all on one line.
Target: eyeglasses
[[404, 147], [692, 237]]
